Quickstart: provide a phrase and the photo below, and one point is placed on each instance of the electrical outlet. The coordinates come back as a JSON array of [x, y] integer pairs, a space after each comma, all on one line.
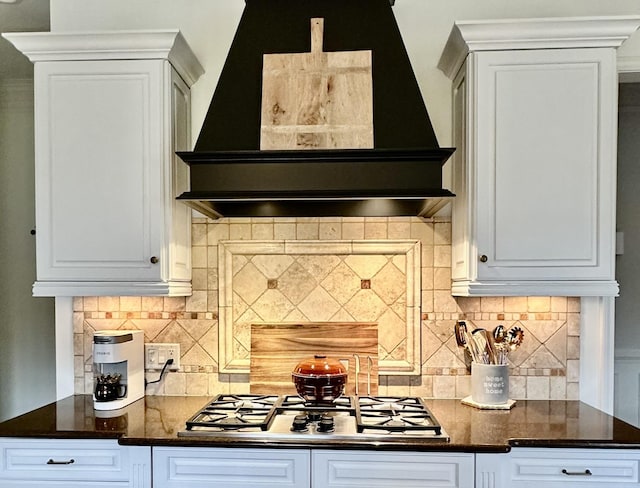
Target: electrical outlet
[[157, 354]]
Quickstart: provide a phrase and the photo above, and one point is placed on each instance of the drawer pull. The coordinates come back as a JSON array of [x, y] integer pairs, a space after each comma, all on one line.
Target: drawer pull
[[586, 472], [70, 461]]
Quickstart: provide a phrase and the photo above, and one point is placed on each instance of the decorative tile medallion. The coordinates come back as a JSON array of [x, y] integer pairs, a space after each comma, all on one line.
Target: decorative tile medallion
[[321, 281]]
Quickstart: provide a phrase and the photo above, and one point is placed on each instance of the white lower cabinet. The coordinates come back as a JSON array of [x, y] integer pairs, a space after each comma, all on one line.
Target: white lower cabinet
[[186, 467], [366, 469], [73, 464], [559, 468], [302, 468]]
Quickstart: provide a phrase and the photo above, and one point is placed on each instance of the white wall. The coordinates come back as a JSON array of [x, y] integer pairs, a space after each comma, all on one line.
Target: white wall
[[209, 25], [27, 349], [627, 364]]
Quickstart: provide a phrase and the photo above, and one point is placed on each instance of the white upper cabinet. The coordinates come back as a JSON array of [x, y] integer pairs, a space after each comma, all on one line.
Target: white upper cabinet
[[111, 110], [534, 173]]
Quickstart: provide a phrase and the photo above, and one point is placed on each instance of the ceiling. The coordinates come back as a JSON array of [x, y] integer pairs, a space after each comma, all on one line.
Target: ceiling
[[20, 16]]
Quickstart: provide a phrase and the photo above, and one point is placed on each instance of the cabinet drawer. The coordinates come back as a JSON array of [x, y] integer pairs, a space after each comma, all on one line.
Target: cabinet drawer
[[90, 461], [346, 469], [237, 468], [573, 467]]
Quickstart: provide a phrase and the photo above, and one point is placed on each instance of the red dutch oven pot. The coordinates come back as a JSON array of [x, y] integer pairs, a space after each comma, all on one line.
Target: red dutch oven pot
[[320, 380]]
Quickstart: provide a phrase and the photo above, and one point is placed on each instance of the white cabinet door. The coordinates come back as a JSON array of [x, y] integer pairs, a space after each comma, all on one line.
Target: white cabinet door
[[98, 177], [73, 463], [558, 468], [186, 467], [535, 166], [108, 124], [366, 469]]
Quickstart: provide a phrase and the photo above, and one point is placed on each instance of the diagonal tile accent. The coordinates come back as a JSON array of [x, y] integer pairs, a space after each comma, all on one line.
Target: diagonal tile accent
[[342, 283]]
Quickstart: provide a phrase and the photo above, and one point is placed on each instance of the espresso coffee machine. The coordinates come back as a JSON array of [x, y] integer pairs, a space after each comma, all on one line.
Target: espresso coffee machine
[[118, 368]]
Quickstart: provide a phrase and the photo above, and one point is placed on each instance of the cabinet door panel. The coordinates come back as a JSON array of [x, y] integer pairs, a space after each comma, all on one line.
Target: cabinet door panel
[[97, 173], [238, 468], [545, 157], [348, 469], [95, 463]]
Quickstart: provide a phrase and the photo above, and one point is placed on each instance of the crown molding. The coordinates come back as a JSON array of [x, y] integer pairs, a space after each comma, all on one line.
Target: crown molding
[[104, 45], [544, 33]]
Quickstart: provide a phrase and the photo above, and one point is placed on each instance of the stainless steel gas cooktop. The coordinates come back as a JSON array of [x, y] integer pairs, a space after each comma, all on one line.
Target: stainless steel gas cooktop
[[290, 418]]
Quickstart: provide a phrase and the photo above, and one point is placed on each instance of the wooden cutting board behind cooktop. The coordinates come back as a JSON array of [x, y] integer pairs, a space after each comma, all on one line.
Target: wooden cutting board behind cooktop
[[276, 349]]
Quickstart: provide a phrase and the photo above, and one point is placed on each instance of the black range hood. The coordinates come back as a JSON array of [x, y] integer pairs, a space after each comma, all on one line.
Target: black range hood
[[400, 176]]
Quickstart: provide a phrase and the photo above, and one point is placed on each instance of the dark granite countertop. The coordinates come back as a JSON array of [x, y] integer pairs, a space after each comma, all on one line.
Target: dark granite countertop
[[156, 420]]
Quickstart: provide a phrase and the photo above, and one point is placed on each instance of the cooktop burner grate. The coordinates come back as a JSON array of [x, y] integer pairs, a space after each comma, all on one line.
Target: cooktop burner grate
[[395, 414], [235, 412]]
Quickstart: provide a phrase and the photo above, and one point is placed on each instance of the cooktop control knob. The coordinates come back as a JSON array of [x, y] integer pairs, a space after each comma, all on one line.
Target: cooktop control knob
[[326, 424], [299, 423]]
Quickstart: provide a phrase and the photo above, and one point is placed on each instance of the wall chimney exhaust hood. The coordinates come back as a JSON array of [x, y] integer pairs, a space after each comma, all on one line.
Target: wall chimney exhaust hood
[[401, 175]]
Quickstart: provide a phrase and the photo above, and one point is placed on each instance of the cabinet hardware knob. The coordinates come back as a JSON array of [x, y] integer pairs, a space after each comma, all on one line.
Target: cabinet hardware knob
[[154, 260], [32, 232], [70, 461], [586, 472], [484, 258]]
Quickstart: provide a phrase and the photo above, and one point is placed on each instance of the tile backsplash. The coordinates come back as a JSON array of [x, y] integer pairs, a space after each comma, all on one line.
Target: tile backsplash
[[545, 367]]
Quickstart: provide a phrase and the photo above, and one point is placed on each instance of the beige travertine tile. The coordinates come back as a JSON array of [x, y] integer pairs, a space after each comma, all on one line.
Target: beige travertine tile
[[262, 231], [444, 302], [330, 230], [423, 231], [428, 281], [199, 234], [175, 384], [352, 230], [573, 391], [444, 387], [573, 305], [78, 304], [442, 256], [427, 301], [197, 302], [398, 229], [573, 371], [217, 232], [308, 231], [239, 231], [538, 387], [78, 322], [573, 324], [199, 257], [463, 386], [442, 279], [199, 278], [517, 387], [90, 304], [212, 257], [492, 304], [284, 230], [468, 304], [130, 304], [442, 234], [108, 304], [515, 304], [197, 384], [573, 347], [174, 304], [423, 388], [539, 304], [152, 304], [557, 388], [559, 304], [375, 230]]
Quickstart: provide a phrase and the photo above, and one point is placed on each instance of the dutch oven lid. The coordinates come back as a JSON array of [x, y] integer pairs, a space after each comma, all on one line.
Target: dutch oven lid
[[319, 365]]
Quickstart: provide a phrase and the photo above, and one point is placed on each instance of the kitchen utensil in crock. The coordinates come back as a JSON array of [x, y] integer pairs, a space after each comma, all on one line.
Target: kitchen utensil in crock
[[463, 340], [515, 337], [319, 380]]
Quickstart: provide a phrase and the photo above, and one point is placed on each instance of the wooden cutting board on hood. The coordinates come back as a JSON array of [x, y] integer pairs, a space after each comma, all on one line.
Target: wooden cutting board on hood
[[317, 100]]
